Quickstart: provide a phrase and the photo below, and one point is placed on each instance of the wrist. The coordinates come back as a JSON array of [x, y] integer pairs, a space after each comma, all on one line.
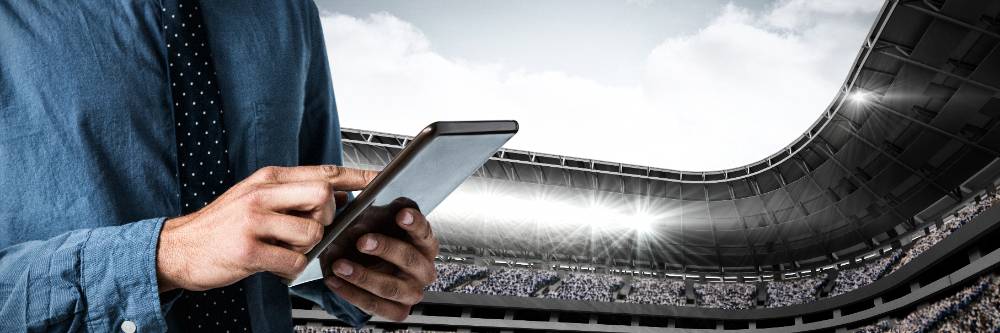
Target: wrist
[[169, 270]]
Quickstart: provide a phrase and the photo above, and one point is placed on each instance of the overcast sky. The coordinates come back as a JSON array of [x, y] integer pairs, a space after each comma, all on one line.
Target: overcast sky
[[690, 85]]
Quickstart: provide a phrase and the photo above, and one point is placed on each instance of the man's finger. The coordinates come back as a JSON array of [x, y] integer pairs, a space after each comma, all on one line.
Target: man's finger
[[419, 230], [402, 254], [278, 260], [299, 196], [343, 179], [380, 284], [367, 301], [325, 213], [301, 233]]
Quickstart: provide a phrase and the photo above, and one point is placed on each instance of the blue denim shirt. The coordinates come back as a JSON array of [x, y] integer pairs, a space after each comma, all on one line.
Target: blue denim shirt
[[87, 152]]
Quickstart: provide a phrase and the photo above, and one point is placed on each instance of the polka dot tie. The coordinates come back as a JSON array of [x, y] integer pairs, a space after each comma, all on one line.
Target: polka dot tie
[[202, 155]]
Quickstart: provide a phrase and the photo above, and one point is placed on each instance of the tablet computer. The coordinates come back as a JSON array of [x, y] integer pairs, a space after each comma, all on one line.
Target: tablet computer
[[422, 175]]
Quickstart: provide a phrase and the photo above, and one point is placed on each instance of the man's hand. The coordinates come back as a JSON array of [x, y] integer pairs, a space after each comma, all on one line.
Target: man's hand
[[264, 223], [391, 287]]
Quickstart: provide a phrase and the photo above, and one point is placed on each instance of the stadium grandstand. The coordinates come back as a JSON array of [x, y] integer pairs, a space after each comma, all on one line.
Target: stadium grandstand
[[883, 216]]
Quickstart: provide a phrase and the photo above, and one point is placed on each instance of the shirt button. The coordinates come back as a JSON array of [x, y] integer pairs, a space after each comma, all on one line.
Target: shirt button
[[128, 326]]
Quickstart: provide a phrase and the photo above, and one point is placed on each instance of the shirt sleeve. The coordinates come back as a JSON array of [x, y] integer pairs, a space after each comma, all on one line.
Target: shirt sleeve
[[97, 280], [320, 144]]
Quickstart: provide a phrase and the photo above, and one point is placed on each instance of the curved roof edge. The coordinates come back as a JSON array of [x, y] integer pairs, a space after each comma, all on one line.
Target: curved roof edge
[[716, 176]]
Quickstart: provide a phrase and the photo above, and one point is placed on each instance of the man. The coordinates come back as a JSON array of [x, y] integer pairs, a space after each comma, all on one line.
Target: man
[[141, 145]]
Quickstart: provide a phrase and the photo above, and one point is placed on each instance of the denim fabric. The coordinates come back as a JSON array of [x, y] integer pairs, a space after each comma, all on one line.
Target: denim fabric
[[88, 162]]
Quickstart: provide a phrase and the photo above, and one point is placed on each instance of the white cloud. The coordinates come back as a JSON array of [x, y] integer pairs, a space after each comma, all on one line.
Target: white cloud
[[640, 3], [732, 93]]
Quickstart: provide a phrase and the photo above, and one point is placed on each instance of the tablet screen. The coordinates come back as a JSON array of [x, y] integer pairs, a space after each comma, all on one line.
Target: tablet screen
[[426, 179], [420, 177], [439, 168]]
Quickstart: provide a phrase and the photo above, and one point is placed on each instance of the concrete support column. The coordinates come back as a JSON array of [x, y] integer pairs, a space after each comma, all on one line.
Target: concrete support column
[[836, 313]]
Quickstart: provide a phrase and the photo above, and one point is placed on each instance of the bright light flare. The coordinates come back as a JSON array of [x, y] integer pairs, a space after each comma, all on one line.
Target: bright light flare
[[859, 97], [547, 212]]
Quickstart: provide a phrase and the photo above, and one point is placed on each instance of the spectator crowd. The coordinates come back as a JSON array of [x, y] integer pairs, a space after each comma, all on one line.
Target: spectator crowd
[[792, 292], [983, 315], [510, 282], [952, 223], [452, 275], [588, 287], [975, 308], [730, 296], [657, 291], [853, 278], [526, 282]]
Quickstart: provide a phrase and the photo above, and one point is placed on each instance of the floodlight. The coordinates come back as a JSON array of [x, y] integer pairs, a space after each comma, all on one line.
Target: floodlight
[[859, 96]]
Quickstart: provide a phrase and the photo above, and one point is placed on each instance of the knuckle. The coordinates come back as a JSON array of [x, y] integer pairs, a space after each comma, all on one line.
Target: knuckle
[[372, 305], [255, 195], [331, 171], [428, 234], [411, 259], [315, 232], [367, 175], [268, 173], [361, 276], [324, 192], [252, 219], [392, 291]]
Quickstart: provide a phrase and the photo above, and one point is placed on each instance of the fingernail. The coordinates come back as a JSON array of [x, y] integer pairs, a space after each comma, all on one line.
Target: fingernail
[[369, 244], [335, 282], [407, 218], [344, 269]]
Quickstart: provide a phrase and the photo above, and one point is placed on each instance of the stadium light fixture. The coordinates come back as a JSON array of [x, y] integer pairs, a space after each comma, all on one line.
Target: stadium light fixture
[[859, 96]]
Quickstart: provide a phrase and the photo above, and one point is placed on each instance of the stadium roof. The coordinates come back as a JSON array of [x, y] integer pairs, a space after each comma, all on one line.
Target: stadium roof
[[912, 131]]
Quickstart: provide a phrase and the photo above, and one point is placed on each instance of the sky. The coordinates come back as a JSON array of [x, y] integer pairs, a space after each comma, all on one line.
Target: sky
[[686, 85]]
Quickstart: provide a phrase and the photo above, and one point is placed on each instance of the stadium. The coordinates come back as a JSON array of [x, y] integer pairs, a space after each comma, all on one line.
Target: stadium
[[880, 217]]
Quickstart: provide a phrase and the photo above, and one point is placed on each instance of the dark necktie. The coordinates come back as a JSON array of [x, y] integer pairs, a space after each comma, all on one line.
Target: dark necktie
[[202, 155]]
